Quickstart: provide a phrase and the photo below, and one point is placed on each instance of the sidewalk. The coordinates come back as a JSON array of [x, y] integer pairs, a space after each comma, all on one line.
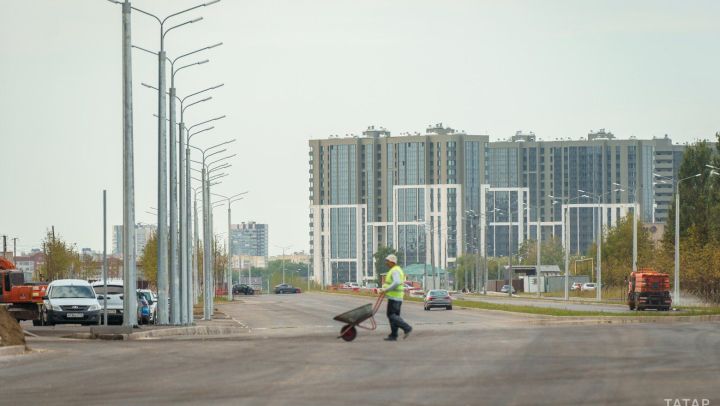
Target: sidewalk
[[220, 325]]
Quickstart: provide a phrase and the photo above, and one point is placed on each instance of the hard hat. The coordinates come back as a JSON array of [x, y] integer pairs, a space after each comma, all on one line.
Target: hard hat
[[391, 258]]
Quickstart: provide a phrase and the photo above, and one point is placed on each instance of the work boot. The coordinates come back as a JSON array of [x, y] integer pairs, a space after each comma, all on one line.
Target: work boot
[[390, 338], [407, 333]]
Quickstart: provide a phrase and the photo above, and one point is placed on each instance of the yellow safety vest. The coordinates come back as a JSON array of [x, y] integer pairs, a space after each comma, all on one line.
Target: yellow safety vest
[[399, 290]]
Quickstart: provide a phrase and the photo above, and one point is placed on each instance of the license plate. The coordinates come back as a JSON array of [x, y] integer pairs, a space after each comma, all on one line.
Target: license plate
[[75, 315]]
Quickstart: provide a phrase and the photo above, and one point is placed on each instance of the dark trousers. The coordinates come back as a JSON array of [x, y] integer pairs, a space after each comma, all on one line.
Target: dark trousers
[[393, 315]]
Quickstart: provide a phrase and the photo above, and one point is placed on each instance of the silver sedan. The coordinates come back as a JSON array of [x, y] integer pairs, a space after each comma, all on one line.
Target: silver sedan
[[438, 298]]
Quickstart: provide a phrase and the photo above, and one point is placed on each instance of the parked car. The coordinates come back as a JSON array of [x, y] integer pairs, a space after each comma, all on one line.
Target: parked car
[[351, 285], [70, 301], [506, 288], [576, 286], [114, 296], [152, 302], [143, 309], [588, 287], [243, 289], [438, 298], [285, 288]]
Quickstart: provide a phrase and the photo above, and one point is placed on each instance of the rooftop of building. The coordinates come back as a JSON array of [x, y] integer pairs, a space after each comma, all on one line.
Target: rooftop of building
[[594, 136]]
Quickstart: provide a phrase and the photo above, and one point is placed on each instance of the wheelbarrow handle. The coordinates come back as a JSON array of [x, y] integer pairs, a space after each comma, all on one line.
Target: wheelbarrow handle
[[378, 302]]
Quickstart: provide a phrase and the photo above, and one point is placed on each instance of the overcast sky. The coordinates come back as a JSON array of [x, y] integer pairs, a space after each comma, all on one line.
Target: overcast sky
[[295, 70]]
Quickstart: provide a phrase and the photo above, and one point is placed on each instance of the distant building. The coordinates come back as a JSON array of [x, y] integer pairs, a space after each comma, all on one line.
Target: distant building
[[249, 239], [245, 262], [30, 264], [143, 232], [438, 195], [297, 257]]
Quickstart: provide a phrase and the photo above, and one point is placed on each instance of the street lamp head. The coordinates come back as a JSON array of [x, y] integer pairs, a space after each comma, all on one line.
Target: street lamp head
[[202, 62], [194, 20]]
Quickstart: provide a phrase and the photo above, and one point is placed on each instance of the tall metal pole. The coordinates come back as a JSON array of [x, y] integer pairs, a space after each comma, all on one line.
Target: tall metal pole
[[196, 248], [635, 231], [676, 285], [207, 260], [598, 291], [174, 274], [162, 233], [190, 247], [510, 270], [538, 236], [105, 263], [228, 269], [566, 220], [283, 266], [183, 253], [129, 271]]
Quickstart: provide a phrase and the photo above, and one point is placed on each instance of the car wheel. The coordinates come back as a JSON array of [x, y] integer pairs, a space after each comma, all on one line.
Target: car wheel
[[449, 308], [37, 322], [46, 319]]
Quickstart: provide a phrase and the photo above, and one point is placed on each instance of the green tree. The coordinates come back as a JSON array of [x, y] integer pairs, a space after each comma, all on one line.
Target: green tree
[[464, 270], [148, 260], [699, 197], [551, 252], [617, 252], [61, 259]]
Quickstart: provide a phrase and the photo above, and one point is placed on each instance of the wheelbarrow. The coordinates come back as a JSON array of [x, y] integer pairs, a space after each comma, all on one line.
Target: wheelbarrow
[[355, 317]]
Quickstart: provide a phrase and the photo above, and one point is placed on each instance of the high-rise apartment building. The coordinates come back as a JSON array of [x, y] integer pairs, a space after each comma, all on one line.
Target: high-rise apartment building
[[437, 195], [249, 239], [143, 232]]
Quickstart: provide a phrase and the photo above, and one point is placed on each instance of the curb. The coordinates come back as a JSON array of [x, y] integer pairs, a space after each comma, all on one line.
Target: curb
[[570, 320], [188, 331], [166, 332], [12, 350]]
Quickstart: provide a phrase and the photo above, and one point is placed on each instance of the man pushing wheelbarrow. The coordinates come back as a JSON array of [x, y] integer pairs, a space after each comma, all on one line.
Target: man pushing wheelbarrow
[[394, 289]]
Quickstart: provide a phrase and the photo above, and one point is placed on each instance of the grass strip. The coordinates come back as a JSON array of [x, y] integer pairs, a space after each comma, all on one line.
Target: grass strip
[[549, 311]]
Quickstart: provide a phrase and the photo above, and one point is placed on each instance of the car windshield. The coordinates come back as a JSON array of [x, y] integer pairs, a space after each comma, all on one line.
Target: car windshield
[[438, 293], [111, 290], [66, 292]]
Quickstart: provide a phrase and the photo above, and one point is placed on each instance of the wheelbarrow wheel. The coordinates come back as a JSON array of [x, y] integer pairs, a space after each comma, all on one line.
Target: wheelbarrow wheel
[[348, 334]]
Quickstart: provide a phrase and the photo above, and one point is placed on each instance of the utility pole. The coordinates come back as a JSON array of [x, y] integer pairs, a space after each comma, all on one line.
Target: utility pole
[[105, 263], [14, 247], [4, 245]]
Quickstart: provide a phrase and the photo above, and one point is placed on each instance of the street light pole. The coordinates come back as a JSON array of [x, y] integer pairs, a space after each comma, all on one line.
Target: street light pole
[[228, 270], [207, 230], [676, 287], [129, 263], [162, 163], [283, 260]]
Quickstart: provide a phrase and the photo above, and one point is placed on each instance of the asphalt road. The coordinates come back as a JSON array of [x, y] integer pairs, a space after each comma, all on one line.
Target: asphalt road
[[461, 357]]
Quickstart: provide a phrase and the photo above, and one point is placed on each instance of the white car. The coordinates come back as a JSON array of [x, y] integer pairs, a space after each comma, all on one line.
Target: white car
[[114, 298], [70, 301], [588, 287]]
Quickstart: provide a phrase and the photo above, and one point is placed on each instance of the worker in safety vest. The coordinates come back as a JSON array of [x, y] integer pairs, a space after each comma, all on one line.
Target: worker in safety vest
[[394, 289]]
